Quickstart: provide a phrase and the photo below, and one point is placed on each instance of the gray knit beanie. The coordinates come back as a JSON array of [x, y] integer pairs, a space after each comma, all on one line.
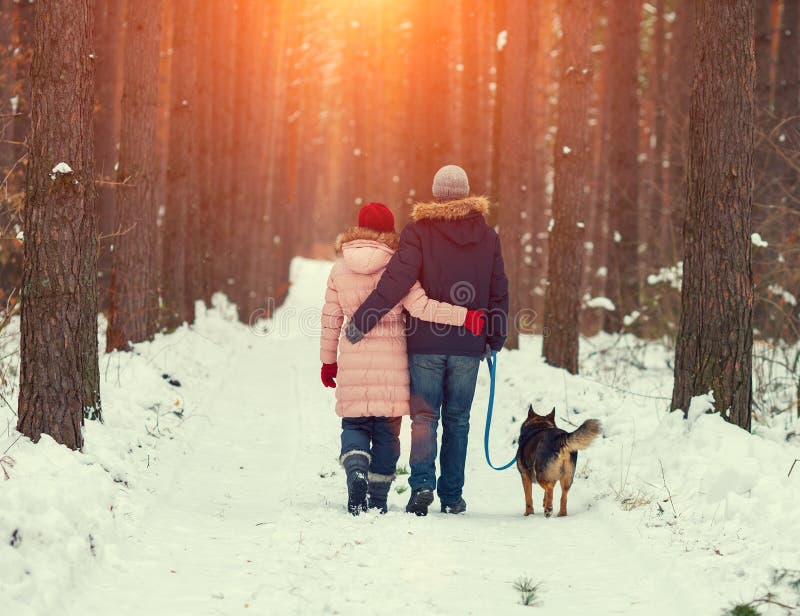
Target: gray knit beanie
[[450, 182]]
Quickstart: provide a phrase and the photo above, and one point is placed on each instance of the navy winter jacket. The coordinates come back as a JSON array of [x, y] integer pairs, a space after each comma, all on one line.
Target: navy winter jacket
[[456, 256]]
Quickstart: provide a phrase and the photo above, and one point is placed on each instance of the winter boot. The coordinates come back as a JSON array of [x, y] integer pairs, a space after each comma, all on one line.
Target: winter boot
[[356, 465], [379, 486], [460, 506], [420, 500]]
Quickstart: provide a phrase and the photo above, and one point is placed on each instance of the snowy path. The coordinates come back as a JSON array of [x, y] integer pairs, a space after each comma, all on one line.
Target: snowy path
[[243, 513], [238, 516]]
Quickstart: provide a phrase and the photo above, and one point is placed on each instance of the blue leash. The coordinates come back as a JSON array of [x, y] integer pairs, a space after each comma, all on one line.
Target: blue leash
[[492, 363]]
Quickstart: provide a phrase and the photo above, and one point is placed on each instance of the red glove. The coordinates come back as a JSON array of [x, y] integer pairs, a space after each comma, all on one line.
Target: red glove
[[475, 321], [328, 373]]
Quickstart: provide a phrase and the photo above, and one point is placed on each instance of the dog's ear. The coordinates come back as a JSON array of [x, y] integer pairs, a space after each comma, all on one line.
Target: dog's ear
[[552, 414], [531, 412]]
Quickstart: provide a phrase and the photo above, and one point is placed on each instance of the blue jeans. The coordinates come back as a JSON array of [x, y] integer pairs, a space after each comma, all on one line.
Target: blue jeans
[[377, 436], [441, 385]]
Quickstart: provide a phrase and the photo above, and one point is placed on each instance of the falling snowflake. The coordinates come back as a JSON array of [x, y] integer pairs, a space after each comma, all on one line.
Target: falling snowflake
[[502, 40]]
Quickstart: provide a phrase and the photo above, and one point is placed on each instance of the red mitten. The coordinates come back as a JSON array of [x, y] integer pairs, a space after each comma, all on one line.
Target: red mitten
[[328, 374], [475, 321]]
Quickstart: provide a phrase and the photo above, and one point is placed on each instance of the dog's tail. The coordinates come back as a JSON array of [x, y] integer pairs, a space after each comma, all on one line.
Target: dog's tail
[[583, 436]]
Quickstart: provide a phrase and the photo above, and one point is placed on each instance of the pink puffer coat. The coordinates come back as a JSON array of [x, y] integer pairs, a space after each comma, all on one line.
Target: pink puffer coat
[[373, 374]]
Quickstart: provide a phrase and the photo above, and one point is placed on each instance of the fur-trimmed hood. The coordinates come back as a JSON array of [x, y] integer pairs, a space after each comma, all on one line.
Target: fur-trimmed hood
[[451, 210], [366, 251], [462, 221]]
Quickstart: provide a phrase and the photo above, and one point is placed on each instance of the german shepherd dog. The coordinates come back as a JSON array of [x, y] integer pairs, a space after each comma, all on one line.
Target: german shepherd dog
[[547, 455]]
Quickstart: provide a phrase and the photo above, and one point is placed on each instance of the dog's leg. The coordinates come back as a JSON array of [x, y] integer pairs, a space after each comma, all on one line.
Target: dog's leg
[[566, 484], [548, 498], [528, 487]]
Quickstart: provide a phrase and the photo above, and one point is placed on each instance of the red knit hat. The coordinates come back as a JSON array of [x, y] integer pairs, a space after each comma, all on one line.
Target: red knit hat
[[376, 216]]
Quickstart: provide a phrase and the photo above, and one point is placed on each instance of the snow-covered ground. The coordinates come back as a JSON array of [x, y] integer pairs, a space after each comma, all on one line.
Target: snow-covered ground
[[220, 493]]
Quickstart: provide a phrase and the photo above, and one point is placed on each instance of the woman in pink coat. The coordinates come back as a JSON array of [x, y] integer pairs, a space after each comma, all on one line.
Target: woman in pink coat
[[372, 391]]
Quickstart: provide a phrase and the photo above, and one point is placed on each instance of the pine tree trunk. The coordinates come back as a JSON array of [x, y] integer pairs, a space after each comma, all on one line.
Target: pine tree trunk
[[763, 50], [248, 139], [205, 226], [224, 80], [182, 188], [23, 16], [622, 284], [657, 213], [260, 266], [133, 301], [107, 37], [715, 340], [509, 150], [474, 48], [572, 164], [679, 87], [59, 378], [787, 87], [787, 100]]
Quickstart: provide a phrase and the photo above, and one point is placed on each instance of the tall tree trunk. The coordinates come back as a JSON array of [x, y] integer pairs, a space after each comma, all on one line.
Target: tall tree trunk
[[59, 378], [656, 205], [714, 345], [597, 269], [764, 58], [679, 87], [133, 303], [260, 268], [572, 164], [108, 39], [787, 100], [224, 80], [622, 284], [474, 48], [205, 227], [787, 86], [248, 140], [766, 160], [510, 147], [182, 189], [23, 16]]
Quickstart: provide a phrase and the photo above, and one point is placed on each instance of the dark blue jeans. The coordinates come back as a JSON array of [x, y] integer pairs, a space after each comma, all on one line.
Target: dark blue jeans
[[441, 386], [377, 436]]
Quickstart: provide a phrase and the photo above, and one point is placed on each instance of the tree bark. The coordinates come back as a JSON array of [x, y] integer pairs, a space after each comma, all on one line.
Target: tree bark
[[205, 227], [679, 87], [714, 345], [59, 378], [133, 302], [572, 164], [622, 284], [510, 148], [182, 187], [787, 87], [656, 205], [224, 81], [108, 38]]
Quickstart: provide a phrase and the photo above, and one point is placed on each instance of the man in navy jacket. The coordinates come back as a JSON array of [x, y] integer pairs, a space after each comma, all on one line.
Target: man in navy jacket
[[456, 256]]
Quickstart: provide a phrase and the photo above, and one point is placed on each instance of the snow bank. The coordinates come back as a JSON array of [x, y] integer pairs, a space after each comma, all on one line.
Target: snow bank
[[60, 509]]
